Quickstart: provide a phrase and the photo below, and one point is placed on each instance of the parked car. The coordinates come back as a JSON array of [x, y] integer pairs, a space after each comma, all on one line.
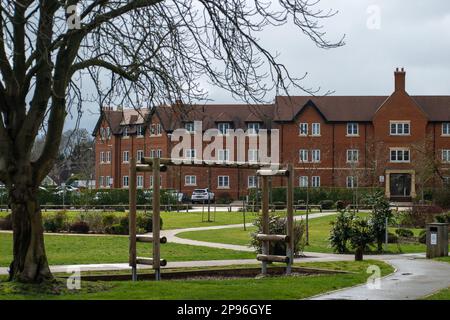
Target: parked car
[[202, 196], [60, 190], [177, 196]]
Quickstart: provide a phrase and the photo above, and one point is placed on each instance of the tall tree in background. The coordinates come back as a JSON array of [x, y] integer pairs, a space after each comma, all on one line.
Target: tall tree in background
[[135, 53]]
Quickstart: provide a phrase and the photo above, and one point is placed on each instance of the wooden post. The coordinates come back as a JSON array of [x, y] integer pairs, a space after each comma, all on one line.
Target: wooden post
[[290, 218], [156, 219], [132, 218], [265, 217]]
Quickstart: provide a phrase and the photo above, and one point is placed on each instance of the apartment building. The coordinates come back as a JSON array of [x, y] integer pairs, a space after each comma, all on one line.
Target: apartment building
[[397, 142]]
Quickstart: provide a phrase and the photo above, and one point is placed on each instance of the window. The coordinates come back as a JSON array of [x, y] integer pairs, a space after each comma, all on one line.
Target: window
[[140, 181], [125, 132], [140, 131], [101, 181], [303, 182], [107, 184], [190, 180], [105, 133], [111, 180], [400, 128], [223, 181], [447, 181], [252, 181], [315, 129], [108, 156], [352, 155], [102, 157], [253, 128], [315, 155], [155, 153], [151, 181], [125, 181], [140, 155], [446, 155], [252, 155], [155, 129], [352, 182], [303, 154], [400, 155], [446, 129], [223, 127], [126, 156], [224, 155], [352, 129], [189, 126], [316, 182], [190, 153], [159, 153], [303, 129]]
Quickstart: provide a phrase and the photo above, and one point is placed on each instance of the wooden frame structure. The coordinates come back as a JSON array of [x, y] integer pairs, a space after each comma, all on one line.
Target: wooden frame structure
[[156, 166], [265, 237]]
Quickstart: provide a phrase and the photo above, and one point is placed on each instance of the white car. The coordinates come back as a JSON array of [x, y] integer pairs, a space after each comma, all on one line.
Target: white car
[[202, 196], [60, 190]]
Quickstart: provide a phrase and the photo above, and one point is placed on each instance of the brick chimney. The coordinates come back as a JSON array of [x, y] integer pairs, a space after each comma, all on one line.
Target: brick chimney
[[400, 79]]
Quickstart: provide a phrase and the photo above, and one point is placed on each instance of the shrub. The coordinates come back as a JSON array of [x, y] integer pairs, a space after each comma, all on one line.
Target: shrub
[[223, 198], [340, 205], [79, 227], [116, 229], [277, 225], [6, 223], [55, 222], [405, 233], [419, 216], [108, 220], [94, 221], [145, 222], [392, 238], [380, 213], [341, 231], [442, 197], [279, 205], [361, 236], [327, 204], [423, 236], [443, 218]]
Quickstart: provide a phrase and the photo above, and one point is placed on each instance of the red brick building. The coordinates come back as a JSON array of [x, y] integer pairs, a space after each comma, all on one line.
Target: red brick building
[[397, 141]]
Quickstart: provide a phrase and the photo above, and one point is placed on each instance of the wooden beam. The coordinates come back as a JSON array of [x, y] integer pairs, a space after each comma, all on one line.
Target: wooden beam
[[290, 218], [148, 239], [265, 219], [272, 237], [149, 262], [132, 212], [272, 173], [147, 168], [270, 258], [156, 216]]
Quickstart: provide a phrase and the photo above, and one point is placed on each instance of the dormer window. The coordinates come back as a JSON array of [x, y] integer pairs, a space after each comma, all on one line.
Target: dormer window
[[155, 129], [253, 127], [140, 130], [125, 133], [315, 130], [223, 127], [303, 129], [400, 128]]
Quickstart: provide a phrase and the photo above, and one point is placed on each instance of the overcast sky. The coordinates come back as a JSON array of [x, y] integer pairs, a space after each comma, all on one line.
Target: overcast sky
[[414, 34]]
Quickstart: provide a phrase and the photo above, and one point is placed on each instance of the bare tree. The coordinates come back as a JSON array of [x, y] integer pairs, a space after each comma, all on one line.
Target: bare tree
[[135, 52]]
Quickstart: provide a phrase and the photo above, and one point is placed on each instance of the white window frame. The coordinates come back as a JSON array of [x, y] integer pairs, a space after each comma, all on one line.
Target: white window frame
[[102, 157], [253, 155], [253, 127], [352, 155], [221, 182], [351, 126], [125, 181], [140, 181], [108, 156], [252, 182], [139, 155], [397, 125], [190, 180], [303, 156], [189, 126], [107, 180], [446, 180], [223, 155], [352, 182], [315, 129], [316, 156], [303, 181], [140, 131], [446, 129], [223, 128], [151, 181], [315, 182], [303, 129], [190, 154], [155, 130], [397, 152], [101, 181], [125, 156], [446, 155], [125, 134]]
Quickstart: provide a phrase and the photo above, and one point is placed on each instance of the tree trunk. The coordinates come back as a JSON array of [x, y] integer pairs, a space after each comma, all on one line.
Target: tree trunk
[[29, 261], [359, 254]]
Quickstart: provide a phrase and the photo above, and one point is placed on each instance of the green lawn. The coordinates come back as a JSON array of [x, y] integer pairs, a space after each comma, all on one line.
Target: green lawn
[[319, 231], [271, 288], [445, 293], [63, 250]]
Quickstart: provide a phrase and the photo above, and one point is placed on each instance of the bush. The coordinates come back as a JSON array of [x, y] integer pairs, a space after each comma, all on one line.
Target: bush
[[277, 225], [108, 220], [223, 198], [56, 222], [341, 231], [93, 219], [443, 218], [442, 197], [423, 236], [79, 227], [116, 229], [380, 213], [6, 223], [405, 233], [361, 236], [340, 205], [145, 222], [327, 204], [392, 238], [419, 216]]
